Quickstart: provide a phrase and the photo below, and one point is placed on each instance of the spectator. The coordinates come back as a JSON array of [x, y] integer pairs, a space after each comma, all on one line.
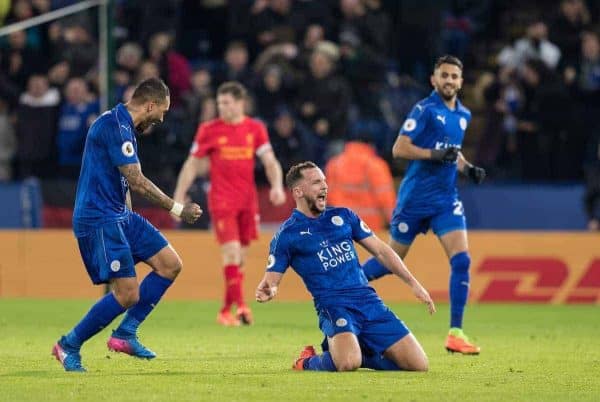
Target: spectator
[[535, 45], [324, 98], [36, 128], [19, 61], [270, 94], [566, 29], [290, 140], [365, 21], [8, 143], [76, 115], [546, 126], [148, 69], [129, 60], [174, 69], [362, 181], [236, 65], [78, 49]]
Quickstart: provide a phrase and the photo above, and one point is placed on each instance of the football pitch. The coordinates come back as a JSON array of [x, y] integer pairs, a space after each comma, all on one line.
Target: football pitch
[[529, 353]]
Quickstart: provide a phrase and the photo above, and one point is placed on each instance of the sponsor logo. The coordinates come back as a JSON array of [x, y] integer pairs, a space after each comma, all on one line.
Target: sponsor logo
[[324, 243], [127, 149], [337, 220], [409, 125], [336, 255], [115, 265]]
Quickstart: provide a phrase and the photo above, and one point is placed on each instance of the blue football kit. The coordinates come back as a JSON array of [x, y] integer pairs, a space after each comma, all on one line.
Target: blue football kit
[[427, 197], [321, 251], [111, 238]]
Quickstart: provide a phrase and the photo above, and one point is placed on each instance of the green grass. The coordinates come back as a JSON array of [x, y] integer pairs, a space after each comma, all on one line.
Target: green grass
[[529, 353]]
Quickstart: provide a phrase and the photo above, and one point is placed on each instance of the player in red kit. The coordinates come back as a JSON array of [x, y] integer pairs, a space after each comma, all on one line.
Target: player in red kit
[[226, 147]]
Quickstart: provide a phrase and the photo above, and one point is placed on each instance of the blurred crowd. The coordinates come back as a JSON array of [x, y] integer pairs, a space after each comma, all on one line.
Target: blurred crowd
[[321, 73]]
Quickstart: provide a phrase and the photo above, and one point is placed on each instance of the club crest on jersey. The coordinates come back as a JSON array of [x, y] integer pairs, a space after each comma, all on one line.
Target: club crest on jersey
[[337, 220], [365, 227], [409, 125], [127, 149], [115, 265], [270, 261], [462, 123], [403, 227]]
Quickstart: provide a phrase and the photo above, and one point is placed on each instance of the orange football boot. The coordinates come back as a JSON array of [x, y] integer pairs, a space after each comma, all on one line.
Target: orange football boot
[[244, 315], [226, 319], [307, 352], [458, 342]]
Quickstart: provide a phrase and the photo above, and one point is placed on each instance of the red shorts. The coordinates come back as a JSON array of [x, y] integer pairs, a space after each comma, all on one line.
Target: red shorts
[[232, 225]]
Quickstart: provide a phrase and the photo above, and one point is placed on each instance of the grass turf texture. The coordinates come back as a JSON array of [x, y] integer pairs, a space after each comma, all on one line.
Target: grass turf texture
[[529, 353]]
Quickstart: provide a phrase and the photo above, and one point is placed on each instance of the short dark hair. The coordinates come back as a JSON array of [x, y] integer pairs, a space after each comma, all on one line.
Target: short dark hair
[[294, 175], [150, 90], [448, 59], [237, 90]]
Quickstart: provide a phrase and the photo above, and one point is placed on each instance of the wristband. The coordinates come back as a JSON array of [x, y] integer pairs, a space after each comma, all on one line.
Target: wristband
[[177, 208]]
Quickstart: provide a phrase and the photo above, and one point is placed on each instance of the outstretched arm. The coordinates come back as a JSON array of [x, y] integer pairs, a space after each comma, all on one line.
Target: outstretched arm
[[386, 256], [143, 186], [267, 288]]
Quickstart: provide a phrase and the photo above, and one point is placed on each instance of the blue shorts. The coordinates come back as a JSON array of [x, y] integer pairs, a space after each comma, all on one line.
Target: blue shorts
[[111, 250], [405, 226], [374, 324]]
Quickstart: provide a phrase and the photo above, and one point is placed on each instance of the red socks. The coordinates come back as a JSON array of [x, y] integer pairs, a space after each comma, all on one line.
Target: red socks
[[234, 278]]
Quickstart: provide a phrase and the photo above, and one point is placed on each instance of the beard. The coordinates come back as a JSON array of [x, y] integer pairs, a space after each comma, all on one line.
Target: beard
[[145, 126], [313, 206], [447, 93]]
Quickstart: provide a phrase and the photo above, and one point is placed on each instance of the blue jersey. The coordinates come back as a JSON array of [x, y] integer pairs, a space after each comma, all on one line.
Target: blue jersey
[[430, 185], [101, 189], [321, 250]]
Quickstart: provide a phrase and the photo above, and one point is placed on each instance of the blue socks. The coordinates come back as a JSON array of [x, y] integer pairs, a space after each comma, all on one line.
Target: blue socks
[[374, 270], [459, 287], [152, 288], [100, 315], [322, 362], [376, 362]]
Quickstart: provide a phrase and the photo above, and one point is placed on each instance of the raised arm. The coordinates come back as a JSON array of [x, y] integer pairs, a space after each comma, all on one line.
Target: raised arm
[[386, 256], [192, 168], [140, 184]]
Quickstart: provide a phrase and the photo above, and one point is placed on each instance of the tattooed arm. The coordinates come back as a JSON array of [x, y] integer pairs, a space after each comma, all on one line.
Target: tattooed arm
[[143, 186], [189, 212]]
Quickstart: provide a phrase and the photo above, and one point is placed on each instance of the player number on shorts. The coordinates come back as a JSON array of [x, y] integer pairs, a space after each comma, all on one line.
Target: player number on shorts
[[458, 208]]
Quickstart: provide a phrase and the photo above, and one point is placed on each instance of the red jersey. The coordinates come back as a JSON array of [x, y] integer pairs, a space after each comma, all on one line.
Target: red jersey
[[231, 149]]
